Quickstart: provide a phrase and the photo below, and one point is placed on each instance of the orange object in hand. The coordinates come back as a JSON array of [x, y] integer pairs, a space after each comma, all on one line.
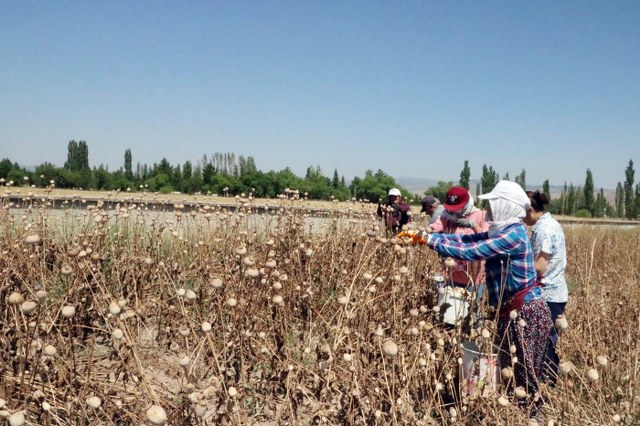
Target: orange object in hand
[[417, 237]]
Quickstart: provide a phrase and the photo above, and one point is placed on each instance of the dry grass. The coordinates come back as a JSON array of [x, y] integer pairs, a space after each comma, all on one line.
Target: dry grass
[[226, 317]]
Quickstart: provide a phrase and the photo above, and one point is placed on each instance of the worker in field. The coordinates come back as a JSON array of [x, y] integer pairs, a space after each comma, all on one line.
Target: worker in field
[[524, 319], [432, 207], [395, 212], [550, 258], [462, 217]]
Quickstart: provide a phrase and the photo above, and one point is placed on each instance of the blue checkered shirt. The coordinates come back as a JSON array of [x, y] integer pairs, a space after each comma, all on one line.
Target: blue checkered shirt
[[509, 259]]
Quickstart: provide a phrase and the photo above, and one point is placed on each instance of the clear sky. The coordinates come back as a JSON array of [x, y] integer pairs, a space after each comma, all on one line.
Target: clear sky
[[410, 87]]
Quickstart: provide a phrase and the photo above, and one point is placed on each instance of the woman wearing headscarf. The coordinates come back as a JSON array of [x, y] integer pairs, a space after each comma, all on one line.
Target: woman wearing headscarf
[[523, 316], [462, 217]]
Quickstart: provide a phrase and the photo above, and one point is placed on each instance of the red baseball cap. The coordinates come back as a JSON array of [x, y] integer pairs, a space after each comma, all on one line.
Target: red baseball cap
[[456, 198]]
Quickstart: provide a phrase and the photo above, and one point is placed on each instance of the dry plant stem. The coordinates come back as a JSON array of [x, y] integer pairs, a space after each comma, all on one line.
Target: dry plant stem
[[389, 388]]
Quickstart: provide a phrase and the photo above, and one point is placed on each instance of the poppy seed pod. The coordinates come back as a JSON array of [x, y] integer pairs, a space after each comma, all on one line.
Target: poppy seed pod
[[390, 348], [156, 415]]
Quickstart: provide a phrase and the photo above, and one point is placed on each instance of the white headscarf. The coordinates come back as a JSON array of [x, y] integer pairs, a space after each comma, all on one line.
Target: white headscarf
[[509, 204], [503, 214]]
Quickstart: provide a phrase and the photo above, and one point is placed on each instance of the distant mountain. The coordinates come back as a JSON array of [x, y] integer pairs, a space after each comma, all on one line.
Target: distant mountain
[[416, 185]]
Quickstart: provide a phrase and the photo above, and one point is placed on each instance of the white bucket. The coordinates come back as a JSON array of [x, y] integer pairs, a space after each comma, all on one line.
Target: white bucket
[[480, 371], [456, 298]]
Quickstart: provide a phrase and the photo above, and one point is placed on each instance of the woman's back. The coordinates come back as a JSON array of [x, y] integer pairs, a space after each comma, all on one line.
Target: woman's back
[[547, 236]]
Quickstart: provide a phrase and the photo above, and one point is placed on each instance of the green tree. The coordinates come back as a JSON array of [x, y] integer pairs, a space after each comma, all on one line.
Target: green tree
[[176, 178], [245, 165], [335, 182], [103, 180], [354, 186], [83, 179], [83, 155], [6, 166], [571, 200], [196, 180], [186, 183], [45, 173], [285, 178], [207, 174], [65, 178], [128, 171], [600, 205], [465, 174], [439, 190], [375, 186], [160, 182], [628, 191], [489, 178], [72, 156], [588, 192], [164, 167], [521, 179], [316, 185], [619, 200], [546, 190], [77, 156]]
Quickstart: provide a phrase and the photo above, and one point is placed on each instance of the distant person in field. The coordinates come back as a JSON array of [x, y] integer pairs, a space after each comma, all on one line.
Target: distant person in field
[[462, 217], [395, 212], [432, 207], [550, 259], [524, 319]]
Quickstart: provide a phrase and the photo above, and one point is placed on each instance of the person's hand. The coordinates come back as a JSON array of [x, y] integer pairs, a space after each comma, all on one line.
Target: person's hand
[[463, 222], [428, 238]]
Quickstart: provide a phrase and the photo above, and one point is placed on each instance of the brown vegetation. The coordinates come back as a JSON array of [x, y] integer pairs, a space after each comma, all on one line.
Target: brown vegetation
[[128, 316]]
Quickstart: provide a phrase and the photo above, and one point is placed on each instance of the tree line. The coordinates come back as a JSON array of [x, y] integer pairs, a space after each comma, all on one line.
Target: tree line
[[230, 174], [581, 200], [218, 173]]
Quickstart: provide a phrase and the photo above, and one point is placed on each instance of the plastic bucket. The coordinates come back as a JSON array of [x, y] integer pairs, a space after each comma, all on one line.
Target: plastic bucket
[[480, 371], [458, 306]]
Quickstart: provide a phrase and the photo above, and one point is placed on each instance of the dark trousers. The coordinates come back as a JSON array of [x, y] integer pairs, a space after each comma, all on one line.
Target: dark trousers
[[552, 360]]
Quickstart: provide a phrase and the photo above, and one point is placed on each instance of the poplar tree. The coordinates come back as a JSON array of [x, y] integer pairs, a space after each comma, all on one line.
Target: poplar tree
[[465, 174], [571, 200], [128, 170], [521, 179], [628, 191], [588, 192], [545, 189], [489, 178], [619, 200]]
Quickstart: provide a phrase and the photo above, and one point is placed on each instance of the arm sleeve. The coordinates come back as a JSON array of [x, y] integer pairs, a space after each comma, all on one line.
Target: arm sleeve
[[474, 248]]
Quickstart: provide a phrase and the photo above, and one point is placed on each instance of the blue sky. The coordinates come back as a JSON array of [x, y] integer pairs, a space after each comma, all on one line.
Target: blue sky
[[412, 88]]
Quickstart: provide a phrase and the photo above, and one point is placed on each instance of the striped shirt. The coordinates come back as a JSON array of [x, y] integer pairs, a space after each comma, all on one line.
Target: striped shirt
[[509, 259]]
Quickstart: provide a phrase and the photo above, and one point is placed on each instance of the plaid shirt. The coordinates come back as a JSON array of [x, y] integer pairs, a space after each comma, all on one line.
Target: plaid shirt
[[509, 259]]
